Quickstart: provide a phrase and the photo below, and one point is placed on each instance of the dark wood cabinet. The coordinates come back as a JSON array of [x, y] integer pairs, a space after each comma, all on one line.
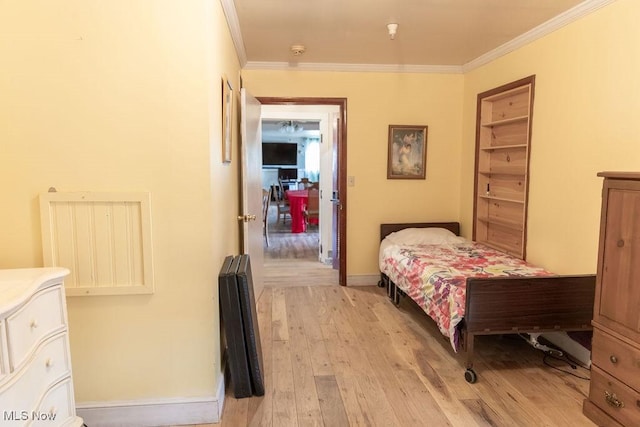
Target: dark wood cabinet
[[614, 395]]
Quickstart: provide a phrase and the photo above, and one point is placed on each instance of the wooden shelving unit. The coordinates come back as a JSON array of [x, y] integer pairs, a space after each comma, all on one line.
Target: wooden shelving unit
[[503, 144]]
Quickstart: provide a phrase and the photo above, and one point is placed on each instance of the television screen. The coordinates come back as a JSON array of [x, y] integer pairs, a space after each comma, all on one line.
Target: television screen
[[279, 154]]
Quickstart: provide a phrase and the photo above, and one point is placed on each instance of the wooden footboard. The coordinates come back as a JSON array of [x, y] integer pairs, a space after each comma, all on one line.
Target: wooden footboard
[[508, 305], [512, 304]]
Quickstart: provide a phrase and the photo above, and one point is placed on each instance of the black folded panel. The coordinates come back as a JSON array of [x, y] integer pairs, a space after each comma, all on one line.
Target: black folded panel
[[233, 328], [250, 321]]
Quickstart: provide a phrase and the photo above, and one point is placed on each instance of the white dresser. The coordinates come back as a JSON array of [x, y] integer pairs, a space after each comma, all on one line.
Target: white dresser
[[36, 387]]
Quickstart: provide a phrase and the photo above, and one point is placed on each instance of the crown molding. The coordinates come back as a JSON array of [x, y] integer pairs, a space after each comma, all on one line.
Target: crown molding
[[342, 67], [229, 8], [581, 10]]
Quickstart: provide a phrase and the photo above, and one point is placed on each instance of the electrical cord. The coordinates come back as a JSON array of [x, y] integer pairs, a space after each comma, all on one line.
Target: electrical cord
[[572, 363]]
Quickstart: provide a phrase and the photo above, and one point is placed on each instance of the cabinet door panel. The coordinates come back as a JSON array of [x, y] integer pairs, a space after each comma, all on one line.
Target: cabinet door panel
[[619, 298]]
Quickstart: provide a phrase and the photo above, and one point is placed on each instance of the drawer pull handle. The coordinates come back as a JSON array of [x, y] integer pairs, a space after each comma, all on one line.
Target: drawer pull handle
[[613, 400], [613, 359], [33, 324], [48, 363]]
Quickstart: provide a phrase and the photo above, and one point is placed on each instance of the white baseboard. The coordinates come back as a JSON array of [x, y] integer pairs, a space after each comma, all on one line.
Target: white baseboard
[[157, 412], [363, 280]]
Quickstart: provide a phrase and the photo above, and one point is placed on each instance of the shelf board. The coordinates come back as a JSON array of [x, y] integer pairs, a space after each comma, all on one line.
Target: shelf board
[[502, 172], [508, 93], [503, 147], [506, 121], [501, 199], [502, 222]]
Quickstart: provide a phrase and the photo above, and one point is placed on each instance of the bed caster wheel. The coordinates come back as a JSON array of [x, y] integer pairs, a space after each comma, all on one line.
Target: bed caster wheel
[[380, 284], [470, 375]]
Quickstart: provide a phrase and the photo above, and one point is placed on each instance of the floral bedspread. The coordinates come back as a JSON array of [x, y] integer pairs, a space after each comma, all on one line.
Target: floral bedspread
[[434, 276]]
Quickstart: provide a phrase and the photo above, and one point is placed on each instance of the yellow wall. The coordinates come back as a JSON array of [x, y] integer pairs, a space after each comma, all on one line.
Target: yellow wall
[[587, 99], [374, 101], [125, 96]]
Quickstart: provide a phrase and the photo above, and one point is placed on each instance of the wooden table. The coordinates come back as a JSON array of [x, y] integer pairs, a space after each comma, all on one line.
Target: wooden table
[[297, 202]]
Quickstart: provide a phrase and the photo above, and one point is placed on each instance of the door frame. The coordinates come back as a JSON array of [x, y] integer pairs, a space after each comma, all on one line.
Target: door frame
[[342, 167]]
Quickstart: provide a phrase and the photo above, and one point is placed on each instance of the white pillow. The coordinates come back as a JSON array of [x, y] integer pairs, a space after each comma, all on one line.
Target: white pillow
[[424, 236]]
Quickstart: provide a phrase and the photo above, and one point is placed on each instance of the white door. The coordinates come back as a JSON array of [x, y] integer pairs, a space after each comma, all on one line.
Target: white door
[[251, 166]]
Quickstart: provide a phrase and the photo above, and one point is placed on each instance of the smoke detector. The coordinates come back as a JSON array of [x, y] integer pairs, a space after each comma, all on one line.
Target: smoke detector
[[393, 29], [297, 49]]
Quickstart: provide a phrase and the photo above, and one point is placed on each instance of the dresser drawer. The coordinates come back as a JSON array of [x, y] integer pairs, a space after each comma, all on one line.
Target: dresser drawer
[[55, 408], [4, 363], [25, 388], [617, 358], [616, 399], [40, 316]]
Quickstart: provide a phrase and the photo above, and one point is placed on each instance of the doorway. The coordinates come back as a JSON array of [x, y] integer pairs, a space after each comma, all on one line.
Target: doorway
[[319, 253]]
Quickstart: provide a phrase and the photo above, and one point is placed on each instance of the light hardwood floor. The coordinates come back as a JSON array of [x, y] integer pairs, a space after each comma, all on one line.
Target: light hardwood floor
[[336, 356], [291, 259], [343, 356]]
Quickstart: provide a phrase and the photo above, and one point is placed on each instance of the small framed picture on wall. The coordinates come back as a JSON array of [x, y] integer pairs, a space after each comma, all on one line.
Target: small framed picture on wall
[[407, 152]]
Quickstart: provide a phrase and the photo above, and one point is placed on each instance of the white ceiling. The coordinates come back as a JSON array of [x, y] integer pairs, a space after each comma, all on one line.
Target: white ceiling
[[433, 35]]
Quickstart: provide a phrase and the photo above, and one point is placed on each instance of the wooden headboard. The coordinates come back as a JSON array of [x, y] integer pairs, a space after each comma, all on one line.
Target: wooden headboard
[[386, 229]]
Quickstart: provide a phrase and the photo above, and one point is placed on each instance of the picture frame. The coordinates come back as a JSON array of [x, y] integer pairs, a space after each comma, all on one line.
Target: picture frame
[[227, 115], [407, 152]]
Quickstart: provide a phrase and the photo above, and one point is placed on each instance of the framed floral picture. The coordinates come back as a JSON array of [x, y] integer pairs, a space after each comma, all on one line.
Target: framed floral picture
[[227, 114], [407, 152]]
